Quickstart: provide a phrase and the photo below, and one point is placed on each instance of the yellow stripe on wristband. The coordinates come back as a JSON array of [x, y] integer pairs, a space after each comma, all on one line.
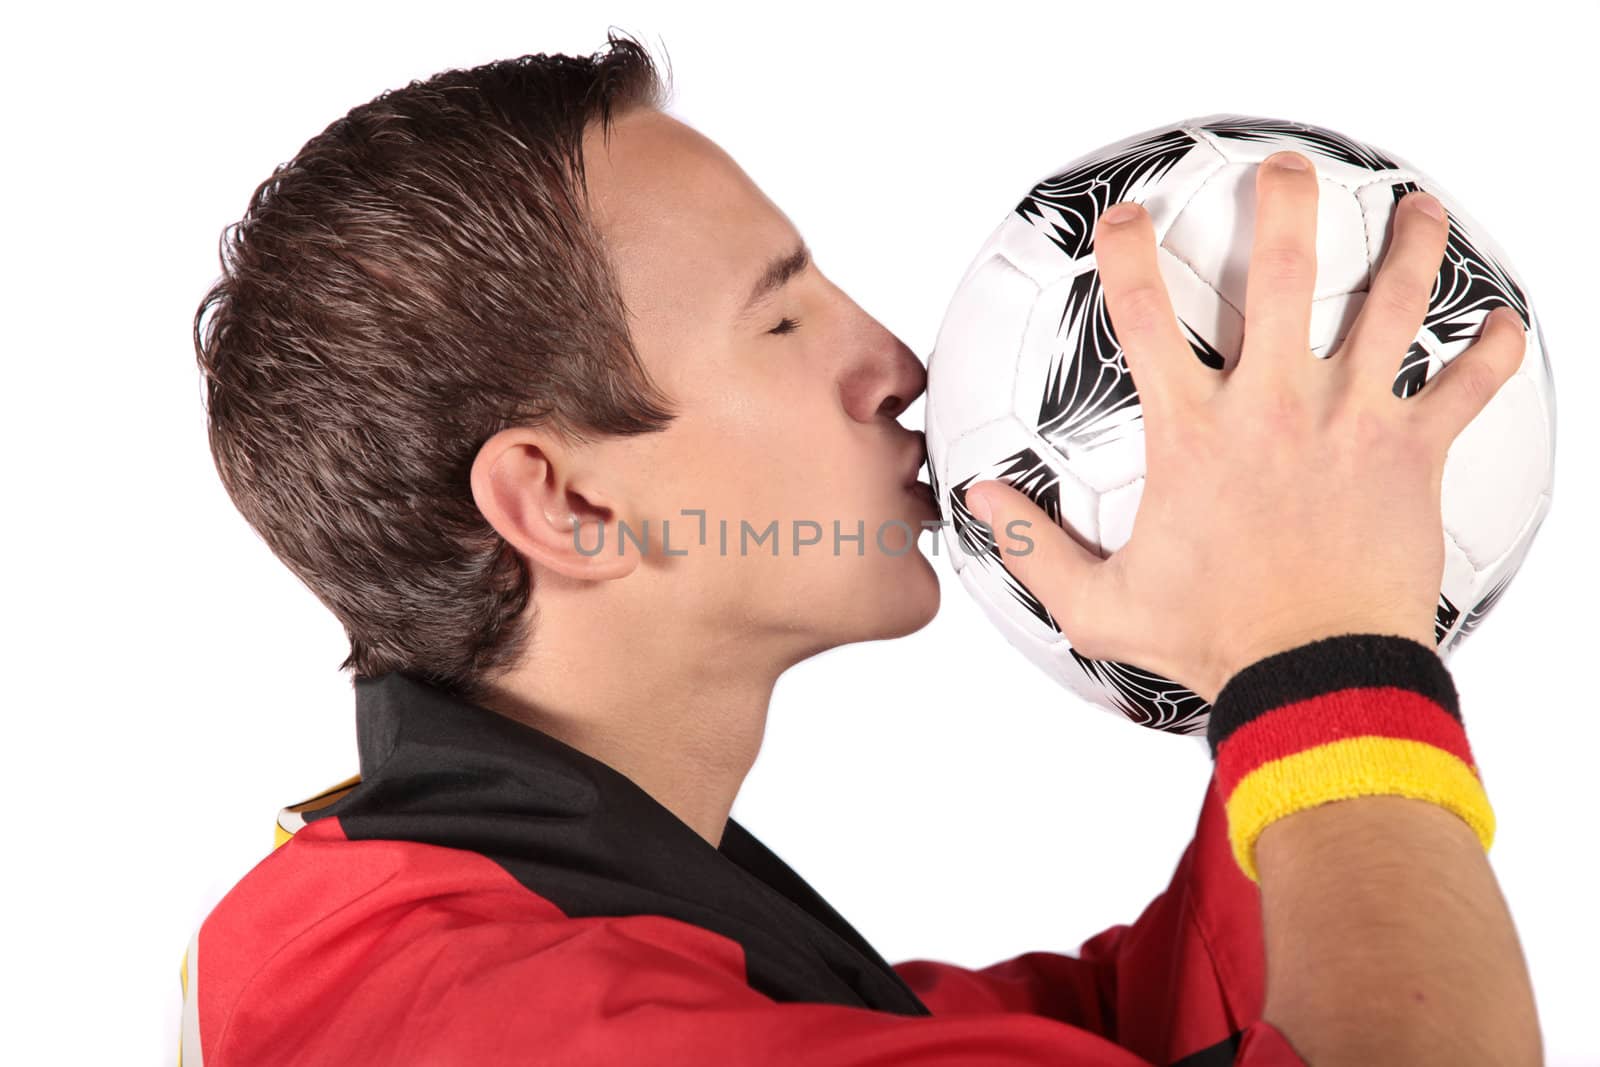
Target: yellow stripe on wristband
[[1353, 767]]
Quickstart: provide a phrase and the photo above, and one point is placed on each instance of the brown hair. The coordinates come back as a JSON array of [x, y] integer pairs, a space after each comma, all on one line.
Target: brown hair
[[422, 274]]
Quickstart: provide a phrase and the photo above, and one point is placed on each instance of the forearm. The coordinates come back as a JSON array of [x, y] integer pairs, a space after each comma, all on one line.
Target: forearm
[[1354, 799], [1388, 941]]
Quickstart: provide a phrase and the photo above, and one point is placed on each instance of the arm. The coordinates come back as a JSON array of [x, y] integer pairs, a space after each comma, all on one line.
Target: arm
[[1353, 795], [1384, 929], [1289, 500], [1347, 983], [1186, 975]]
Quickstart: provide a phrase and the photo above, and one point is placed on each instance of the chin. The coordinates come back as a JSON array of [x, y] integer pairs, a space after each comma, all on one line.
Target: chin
[[912, 599]]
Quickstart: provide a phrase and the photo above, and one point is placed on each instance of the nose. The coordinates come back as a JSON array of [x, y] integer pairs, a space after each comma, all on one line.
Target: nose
[[886, 382]]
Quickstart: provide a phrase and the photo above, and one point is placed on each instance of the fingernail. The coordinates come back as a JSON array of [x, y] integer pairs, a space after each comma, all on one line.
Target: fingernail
[[1507, 314], [1428, 205], [981, 509], [1288, 161], [1120, 213]]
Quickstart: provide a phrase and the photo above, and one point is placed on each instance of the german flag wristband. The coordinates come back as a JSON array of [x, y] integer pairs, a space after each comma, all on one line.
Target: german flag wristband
[[1346, 716]]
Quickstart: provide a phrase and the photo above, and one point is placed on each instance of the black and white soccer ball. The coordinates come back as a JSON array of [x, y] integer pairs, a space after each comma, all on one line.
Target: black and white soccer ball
[[1026, 382]]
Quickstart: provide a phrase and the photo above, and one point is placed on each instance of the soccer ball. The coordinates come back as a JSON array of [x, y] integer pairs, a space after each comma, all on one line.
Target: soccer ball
[[1026, 382]]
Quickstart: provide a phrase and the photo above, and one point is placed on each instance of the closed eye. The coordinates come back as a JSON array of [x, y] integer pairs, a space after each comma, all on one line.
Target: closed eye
[[786, 325]]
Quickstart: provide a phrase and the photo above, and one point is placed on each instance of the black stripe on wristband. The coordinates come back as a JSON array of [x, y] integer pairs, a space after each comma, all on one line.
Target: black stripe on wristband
[[1327, 665]]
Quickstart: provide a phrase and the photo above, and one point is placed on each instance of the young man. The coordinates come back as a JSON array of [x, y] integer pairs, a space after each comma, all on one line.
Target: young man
[[520, 375]]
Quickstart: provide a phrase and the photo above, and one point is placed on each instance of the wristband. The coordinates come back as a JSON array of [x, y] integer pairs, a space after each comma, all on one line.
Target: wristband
[[1345, 716]]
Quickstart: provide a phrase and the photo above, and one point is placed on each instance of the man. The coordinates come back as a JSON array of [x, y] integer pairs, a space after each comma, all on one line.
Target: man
[[538, 393]]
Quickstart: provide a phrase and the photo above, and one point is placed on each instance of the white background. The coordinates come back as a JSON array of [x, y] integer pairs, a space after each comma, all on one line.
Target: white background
[[171, 685]]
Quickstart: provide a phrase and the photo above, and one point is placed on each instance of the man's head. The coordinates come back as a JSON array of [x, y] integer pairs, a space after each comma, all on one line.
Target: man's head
[[484, 306]]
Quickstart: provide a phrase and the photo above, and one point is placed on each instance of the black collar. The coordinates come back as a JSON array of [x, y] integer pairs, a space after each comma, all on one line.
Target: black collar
[[441, 770]]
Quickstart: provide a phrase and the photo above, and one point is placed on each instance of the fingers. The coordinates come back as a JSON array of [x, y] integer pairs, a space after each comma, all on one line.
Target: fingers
[[1040, 554], [1453, 397], [1283, 267], [1398, 301], [1164, 368]]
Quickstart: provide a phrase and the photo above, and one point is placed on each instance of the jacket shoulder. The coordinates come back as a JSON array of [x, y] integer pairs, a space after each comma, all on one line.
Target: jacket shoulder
[[323, 918]]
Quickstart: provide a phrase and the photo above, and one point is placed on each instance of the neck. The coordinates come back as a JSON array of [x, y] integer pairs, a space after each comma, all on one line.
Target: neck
[[679, 713]]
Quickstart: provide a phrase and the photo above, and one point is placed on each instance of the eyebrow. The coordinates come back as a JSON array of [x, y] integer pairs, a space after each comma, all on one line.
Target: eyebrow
[[776, 276]]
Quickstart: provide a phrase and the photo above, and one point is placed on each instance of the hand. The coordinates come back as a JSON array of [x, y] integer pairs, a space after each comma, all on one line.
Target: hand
[[1288, 499]]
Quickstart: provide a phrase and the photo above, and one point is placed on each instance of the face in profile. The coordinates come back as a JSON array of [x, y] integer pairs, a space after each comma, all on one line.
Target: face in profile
[[788, 395]]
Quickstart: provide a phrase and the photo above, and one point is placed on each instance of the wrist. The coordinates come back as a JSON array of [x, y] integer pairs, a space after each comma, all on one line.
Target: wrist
[[1343, 716]]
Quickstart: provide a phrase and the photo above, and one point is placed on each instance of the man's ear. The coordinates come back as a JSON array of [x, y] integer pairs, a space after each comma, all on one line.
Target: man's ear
[[526, 482]]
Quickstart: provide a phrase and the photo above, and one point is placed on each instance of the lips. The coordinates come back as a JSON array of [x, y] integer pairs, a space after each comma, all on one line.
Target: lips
[[917, 459]]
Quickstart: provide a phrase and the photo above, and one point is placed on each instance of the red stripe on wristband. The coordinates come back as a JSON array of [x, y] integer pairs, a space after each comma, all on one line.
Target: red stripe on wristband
[[1377, 711]]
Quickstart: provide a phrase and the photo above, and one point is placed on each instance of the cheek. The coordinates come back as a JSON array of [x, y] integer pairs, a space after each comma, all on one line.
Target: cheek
[[759, 439], [815, 469], [776, 438]]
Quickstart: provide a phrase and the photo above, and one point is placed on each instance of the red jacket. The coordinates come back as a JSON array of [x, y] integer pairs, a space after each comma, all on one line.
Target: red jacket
[[482, 893]]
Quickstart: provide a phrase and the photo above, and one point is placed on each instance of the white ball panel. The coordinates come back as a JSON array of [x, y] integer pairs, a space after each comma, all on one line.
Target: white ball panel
[[1523, 541], [1491, 583], [1030, 251], [1536, 365], [1253, 151], [1115, 462], [1495, 472], [1460, 586], [938, 469], [1331, 319], [1166, 200], [972, 366], [1198, 307], [1118, 509], [1377, 214], [1536, 422], [1204, 236], [986, 452]]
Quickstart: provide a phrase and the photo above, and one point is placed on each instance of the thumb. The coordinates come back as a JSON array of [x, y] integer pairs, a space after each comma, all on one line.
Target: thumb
[[1038, 552]]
